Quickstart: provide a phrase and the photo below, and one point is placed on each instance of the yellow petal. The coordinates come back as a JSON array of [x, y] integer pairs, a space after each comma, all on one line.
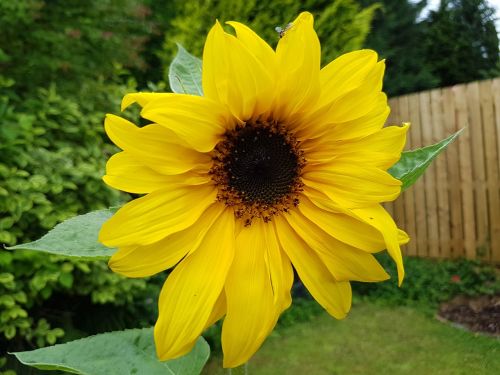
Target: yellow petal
[[257, 46], [125, 172], [322, 128], [375, 216], [218, 311], [344, 262], [141, 98], [343, 227], [378, 217], [380, 149], [335, 296], [234, 76], [197, 120], [272, 257], [143, 261], [154, 146], [252, 310], [353, 186], [359, 101], [189, 295], [288, 277], [298, 55], [389, 140], [157, 215], [345, 73]]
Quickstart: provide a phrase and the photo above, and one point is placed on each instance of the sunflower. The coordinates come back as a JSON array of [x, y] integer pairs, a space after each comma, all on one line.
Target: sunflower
[[280, 165]]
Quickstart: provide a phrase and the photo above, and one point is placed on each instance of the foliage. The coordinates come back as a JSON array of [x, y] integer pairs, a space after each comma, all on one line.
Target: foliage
[[456, 43], [52, 41], [76, 237], [429, 282], [412, 164], [60, 72], [52, 163], [462, 41], [184, 73], [399, 37], [53, 153], [342, 25], [130, 351], [46, 298]]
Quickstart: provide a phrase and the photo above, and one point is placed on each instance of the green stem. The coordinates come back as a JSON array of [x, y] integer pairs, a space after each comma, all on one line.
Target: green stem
[[241, 370]]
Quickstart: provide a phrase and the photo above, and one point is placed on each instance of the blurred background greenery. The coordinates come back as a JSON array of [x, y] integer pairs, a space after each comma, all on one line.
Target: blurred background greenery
[[65, 63]]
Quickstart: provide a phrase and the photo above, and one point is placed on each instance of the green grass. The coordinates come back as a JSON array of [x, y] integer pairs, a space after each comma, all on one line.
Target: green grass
[[373, 340]]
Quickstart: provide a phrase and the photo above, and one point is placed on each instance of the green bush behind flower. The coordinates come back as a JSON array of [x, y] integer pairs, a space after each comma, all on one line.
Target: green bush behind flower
[[61, 70], [342, 25], [429, 282]]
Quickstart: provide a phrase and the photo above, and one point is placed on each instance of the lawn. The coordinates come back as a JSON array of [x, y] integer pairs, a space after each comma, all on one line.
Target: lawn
[[373, 340]]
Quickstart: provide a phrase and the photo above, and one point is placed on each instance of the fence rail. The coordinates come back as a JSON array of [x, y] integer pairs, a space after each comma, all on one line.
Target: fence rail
[[454, 210]]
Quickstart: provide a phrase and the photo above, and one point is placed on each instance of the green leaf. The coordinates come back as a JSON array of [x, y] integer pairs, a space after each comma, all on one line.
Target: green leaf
[[76, 237], [184, 74], [413, 163], [121, 352]]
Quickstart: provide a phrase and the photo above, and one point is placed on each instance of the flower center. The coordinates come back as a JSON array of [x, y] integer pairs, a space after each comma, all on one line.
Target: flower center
[[257, 170]]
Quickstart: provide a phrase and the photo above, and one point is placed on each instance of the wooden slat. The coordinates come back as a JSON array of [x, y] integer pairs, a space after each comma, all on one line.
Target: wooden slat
[[492, 175], [419, 187], [478, 169], [427, 124], [453, 176], [495, 91], [466, 186], [443, 207]]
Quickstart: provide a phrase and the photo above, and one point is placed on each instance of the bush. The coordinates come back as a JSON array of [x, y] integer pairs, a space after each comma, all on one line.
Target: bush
[[60, 72], [70, 42], [342, 25], [53, 154], [430, 282]]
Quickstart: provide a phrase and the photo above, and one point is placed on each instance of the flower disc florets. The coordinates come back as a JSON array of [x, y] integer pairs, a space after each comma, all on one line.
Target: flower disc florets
[[257, 170]]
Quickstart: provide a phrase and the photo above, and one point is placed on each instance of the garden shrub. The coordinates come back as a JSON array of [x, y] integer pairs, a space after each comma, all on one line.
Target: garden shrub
[[429, 282], [342, 25], [53, 154], [70, 42], [61, 70]]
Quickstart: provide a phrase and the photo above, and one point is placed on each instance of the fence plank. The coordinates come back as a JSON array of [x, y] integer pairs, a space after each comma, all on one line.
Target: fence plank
[[466, 187], [443, 206], [419, 187], [495, 91], [426, 122], [453, 176], [478, 169], [492, 175]]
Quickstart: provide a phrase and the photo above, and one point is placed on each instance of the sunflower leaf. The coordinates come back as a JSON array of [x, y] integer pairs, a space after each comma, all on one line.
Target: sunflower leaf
[[413, 163], [130, 351], [75, 237], [184, 74]]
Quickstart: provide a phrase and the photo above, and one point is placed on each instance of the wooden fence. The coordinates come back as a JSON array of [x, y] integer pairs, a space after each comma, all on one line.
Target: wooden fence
[[454, 210]]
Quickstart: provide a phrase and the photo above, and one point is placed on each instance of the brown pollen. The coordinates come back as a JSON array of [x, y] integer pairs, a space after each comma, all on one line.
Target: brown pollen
[[257, 168]]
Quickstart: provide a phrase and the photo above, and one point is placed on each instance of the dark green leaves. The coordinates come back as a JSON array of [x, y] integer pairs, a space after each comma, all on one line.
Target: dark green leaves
[[75, 237], [121, 352], [184, 75], [414, 163]]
